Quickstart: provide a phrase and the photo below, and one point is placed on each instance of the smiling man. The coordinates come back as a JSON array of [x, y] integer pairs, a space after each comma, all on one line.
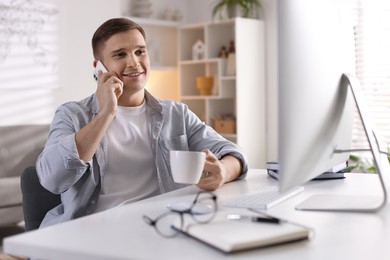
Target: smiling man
[[113, 146]]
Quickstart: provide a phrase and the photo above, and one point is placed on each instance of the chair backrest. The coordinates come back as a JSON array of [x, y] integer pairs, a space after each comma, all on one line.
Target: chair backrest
[[37, 201]]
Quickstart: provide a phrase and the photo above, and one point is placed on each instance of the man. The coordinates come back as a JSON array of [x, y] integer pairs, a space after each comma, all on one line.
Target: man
[[114, 145]]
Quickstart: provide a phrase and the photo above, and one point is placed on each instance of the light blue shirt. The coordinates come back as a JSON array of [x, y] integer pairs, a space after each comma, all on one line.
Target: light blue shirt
[[172, 127]]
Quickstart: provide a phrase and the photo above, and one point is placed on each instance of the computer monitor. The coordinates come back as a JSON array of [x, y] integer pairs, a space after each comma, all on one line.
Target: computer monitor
[[316, 104]]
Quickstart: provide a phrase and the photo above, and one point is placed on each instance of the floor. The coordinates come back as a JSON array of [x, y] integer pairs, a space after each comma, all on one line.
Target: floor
[[5, 232]]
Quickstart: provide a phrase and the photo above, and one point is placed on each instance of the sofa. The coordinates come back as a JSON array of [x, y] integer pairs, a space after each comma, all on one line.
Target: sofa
[[20, 146]]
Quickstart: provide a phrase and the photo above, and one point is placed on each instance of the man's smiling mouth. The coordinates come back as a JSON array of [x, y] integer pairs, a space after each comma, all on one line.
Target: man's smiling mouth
[[132, 74]]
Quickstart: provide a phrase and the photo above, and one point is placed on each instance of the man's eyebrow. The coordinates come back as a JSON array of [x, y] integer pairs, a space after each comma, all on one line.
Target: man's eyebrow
[[123, 49]]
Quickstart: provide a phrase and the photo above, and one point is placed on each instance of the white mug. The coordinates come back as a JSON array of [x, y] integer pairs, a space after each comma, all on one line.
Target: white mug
[[187, 166]]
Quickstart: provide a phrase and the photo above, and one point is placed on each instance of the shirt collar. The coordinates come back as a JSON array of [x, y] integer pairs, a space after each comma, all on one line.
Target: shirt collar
[[151, 101]]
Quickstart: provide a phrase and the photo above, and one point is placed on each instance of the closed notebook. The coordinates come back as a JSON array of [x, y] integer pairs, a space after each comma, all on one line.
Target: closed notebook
[[230, 236]]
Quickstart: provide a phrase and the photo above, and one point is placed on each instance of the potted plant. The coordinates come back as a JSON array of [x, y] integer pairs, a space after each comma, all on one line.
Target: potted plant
[[362, 164], [248, 8]]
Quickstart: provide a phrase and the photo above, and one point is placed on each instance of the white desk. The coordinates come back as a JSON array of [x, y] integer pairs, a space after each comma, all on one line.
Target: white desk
[[121, 233]]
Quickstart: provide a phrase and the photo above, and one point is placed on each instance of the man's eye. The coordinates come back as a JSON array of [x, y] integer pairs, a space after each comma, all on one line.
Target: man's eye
[[120, 54], [140, 52]]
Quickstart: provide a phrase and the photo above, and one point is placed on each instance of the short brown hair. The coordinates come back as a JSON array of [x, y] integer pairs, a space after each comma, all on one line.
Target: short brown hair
[[109, 28]]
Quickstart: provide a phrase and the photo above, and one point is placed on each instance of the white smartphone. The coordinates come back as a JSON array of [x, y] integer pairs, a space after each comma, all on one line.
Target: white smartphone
[[99, 66]]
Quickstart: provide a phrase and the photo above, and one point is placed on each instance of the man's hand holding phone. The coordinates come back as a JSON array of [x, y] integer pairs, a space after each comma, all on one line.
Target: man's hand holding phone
[[109, 88]]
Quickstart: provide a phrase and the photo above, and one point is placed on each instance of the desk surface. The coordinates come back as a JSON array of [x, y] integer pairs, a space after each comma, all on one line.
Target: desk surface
[[121, 233]]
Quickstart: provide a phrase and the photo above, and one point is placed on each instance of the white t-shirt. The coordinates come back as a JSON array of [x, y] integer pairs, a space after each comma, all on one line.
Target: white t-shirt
[[130, 174]]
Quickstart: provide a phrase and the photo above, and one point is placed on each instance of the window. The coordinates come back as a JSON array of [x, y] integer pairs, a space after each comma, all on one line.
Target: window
[[372, 40], [28, 44], [29, 35]]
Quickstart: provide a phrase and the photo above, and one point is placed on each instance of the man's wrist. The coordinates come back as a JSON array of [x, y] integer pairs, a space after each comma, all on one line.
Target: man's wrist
[[232, 167]]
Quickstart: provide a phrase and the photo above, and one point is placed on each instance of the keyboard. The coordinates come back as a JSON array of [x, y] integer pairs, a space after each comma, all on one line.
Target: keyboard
[[265, 198]]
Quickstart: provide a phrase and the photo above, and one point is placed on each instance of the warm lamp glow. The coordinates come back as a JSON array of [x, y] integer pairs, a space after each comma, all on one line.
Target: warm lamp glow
[[163, 84]]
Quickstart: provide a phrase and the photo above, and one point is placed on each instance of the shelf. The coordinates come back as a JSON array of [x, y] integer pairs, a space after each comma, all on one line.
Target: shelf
[[155, 22], [202, 61], [198, 26], [194, 97], [212, 23], [228, 78], [241, 95]]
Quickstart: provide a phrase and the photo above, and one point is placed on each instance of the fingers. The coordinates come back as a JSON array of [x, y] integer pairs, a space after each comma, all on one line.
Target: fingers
[[115, 84], [110, 81], [118, 89], [212, 162], [212, 177], [109, 78], [210, 181], [109, 89]]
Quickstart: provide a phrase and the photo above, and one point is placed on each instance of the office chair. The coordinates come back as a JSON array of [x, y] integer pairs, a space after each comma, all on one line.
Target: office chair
[[37, 201]]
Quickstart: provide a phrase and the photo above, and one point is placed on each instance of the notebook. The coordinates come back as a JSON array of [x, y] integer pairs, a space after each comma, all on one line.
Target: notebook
[[237, 235], [336, 172]]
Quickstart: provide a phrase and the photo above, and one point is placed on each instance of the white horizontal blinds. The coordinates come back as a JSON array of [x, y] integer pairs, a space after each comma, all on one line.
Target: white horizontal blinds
[[372, 39], [28, 44]]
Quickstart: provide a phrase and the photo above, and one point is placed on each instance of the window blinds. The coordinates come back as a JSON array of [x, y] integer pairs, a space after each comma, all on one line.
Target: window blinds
[[28, 44], [372, 41]]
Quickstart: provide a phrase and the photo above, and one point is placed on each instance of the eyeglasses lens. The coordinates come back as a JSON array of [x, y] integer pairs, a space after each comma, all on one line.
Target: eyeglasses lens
[[205, 208], [168, 224]]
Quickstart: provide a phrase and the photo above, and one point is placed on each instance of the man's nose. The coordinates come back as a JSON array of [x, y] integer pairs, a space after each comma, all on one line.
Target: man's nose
[[133, 61]]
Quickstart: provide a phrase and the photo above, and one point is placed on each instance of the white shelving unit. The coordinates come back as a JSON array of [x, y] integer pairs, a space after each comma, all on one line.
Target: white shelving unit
[[242, 95]]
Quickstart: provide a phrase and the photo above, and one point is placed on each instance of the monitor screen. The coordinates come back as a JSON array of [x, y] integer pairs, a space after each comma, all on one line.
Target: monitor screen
[[315, 48]]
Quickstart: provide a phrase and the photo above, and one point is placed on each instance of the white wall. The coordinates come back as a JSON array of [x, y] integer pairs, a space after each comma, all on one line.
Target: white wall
[[199, 10]]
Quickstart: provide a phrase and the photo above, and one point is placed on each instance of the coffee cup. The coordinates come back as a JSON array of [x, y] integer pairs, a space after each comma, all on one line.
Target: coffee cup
[[187, 166]]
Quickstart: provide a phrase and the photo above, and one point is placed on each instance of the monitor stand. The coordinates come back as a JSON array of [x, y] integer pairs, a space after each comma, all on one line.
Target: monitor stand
[[356, 203]]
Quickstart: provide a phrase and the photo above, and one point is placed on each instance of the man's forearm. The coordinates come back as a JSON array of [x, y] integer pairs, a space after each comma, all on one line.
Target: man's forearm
[[89, 137]]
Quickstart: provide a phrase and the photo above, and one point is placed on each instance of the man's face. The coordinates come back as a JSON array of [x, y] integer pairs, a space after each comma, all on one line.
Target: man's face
[[125, 53]]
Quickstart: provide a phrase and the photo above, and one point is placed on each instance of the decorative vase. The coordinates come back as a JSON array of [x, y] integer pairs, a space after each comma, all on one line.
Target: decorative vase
[[205, 85], [233, 11]]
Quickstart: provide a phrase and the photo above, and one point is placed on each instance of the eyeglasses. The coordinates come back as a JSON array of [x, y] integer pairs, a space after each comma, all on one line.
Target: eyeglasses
[[202, 210]]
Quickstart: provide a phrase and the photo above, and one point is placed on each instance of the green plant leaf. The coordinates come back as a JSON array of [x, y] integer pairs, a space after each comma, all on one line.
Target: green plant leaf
[[247, 6]]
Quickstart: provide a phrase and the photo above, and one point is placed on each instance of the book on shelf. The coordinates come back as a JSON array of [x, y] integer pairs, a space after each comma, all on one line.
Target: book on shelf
[[336, 172], [232, 235]]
